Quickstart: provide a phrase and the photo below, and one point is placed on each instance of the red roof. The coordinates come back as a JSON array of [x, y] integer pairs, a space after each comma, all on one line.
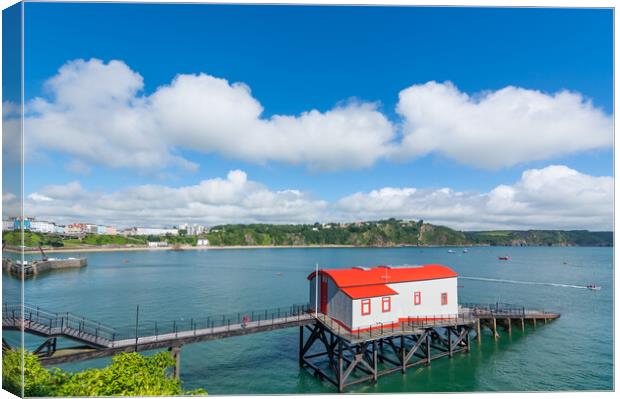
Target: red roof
[[384, 274], [368, 291]]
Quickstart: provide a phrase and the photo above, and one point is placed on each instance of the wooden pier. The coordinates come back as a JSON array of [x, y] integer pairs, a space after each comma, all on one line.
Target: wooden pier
[[329, 350]]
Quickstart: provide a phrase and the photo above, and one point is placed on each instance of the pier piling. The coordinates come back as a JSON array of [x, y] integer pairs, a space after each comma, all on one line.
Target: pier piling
[[176, 355]]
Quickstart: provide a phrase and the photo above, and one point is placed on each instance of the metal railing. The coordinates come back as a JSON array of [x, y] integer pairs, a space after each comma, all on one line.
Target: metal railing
[[212, 323], [500, 309], [413, 324], [53, 323], [71, 325]]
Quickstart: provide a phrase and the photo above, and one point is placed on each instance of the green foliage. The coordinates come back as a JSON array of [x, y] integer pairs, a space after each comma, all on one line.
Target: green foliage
[[130, 374], [381, 233], [33, 240], [393, 232], [541, 238], [38, 381], [104, 239]]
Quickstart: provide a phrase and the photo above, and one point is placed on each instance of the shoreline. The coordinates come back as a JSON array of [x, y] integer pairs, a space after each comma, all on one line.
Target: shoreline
[[229, 247], [224, 247]]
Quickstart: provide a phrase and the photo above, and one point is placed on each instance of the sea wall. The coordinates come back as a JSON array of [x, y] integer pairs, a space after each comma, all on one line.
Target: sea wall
[[42, 266]]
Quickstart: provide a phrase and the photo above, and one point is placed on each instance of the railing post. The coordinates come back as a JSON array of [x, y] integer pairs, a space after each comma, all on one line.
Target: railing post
[[137, 319]]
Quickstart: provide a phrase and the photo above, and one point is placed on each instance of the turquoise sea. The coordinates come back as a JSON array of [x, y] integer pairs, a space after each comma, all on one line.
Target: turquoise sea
[[574, 352]]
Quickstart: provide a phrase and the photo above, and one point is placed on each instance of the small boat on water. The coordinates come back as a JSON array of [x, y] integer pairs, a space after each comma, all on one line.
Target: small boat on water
[[451, 251], [465, 251], [593, 287], [503, 258]]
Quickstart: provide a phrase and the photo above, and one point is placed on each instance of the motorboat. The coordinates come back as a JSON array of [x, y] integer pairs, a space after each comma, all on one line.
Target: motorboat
[[593, 287], [503, 258]]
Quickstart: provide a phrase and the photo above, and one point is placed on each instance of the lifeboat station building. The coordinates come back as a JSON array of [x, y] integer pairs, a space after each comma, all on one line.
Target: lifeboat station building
[[363, 298]]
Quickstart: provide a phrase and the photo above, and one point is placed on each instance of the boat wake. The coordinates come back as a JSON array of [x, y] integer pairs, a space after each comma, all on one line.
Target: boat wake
[[496, 280]]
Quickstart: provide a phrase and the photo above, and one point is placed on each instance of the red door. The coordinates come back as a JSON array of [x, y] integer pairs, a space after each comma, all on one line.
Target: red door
[[324, 294]]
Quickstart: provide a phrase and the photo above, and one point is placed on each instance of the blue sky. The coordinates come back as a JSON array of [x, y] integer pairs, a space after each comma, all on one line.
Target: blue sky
[[296, 59]]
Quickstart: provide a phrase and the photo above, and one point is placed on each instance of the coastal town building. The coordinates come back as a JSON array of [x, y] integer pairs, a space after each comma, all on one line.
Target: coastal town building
[[157, 244], [363, 298], [7, 225], [75, 229], [192, 229], [30, 224], [147, 231], [202, 242]]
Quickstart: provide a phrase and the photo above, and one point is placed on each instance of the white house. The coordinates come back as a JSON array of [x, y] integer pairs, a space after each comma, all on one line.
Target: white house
[[156, 244], [362, 298], [41, 226], [202, 242], [7, 225], [147, 231]]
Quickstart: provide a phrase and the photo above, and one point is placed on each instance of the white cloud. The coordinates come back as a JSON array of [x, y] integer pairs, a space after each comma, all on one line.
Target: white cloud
[[233, 199], [555, 197], [98, 113], [499, 128], [38, 197]]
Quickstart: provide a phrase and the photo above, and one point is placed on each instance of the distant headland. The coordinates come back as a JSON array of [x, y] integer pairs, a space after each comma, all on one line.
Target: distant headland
[[381, 233]]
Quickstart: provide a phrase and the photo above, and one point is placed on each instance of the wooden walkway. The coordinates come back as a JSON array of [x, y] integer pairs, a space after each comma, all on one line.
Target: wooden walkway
[[100, 340]]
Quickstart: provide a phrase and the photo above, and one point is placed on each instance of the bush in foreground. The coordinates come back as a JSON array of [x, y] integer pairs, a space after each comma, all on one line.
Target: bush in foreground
[[130, 374]]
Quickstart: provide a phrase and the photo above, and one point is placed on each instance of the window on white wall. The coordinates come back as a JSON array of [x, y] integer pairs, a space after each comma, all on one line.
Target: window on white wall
[[386, 304], [417, 298], [365, 307], [444, 298]]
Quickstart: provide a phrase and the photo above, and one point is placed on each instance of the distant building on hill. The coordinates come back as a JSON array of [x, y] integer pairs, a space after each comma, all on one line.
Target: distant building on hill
[[147, 231], [156, 244], [76, 229], [202, 242]]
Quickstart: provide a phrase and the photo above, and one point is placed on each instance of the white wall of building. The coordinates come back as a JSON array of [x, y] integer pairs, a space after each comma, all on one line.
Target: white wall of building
[[349, 311], [147, 231], [431, 291], [39, 226], [376, 316]]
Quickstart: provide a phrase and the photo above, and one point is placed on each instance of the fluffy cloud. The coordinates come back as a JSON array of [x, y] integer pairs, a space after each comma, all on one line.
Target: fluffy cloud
[[98, 113], [553, 197], [499, 128], [234, 199]]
